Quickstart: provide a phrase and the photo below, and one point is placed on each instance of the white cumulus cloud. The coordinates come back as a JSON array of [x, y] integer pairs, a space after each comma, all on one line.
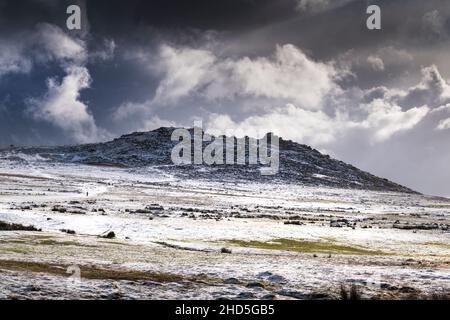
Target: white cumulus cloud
[[288, 75], [56, 44], [62, 107]]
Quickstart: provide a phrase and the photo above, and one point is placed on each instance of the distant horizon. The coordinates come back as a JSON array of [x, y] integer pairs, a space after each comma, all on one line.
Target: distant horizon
[[190, 128]]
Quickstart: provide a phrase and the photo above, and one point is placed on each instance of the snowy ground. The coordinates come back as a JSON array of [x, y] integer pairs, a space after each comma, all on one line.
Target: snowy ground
[[286, 241]]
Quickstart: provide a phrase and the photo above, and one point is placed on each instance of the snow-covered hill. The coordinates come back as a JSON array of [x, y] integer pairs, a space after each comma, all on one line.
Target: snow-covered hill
[[299, 164]]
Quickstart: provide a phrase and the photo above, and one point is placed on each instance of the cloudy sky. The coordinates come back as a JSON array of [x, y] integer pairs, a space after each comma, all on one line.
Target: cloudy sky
[[308, 70]]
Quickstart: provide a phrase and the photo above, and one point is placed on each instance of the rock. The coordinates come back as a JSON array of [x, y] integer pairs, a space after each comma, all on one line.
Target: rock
[[319, 296], [246, 295], [277, 279], [59, 209], [225, 250], [296, 223], [303, 296], [292, 294], [386, 286], [232, 281], [265, 274], [151, 284], [424, 226], [335, 224], [67, 231], [32, 288], [269, 297], [269, 276], [407, 290], [115, 296], [110, 235], [255, 285]]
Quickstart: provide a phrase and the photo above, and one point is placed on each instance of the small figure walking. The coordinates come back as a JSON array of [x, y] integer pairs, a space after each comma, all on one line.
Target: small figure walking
[[87, 194]]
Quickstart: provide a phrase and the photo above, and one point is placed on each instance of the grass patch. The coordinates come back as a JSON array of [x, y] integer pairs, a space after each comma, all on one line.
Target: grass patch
[[439, 244], [116, 243], [306, 247], [23, 176], [15, 250], [46, 242], [89, 272], [330, 239], [50, 242], [26, 239], [131, 275], [32, 267]]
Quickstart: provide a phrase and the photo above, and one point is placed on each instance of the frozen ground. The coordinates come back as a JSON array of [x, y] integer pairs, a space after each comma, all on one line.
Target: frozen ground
[[286, 242]]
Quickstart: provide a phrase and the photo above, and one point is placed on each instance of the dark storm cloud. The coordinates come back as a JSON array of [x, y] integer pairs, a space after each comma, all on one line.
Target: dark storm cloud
[[18, 16], [200, 14]]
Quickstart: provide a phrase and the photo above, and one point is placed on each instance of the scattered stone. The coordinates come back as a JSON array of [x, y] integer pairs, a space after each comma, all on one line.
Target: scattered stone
[[110, 235], [407, 290], [232, 281], [334, 224], [59, 209], [32, 288], [277, 279], [424, 226], [246, 295], [319, 296], [255, 285], [226, 250], [68, 231], [269, 297], [386, 286], [151, 284], [292, 294], [76, 212], [296, 223]]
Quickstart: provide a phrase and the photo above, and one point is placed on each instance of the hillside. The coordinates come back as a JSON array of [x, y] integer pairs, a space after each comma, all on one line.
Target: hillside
[[299, 164]]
